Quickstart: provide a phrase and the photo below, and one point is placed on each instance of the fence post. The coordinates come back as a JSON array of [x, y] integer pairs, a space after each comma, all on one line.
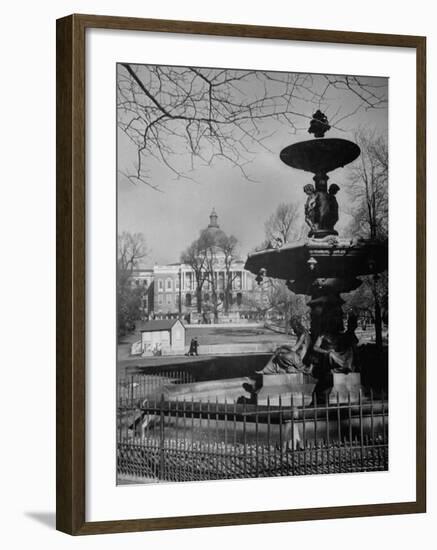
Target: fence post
[[244, 439], [340, 450], [360, 400], [256, 441], [269, 452], [161, 439], [304, 438], [292, 447], [281, 442], [328, 441]]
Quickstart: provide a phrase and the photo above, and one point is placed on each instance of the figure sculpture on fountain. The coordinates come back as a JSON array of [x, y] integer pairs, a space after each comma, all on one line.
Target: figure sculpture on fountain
[[321, 208]]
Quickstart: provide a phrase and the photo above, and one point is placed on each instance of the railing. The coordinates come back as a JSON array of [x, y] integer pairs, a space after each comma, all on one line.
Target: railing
[[192, 440], [132, 390]]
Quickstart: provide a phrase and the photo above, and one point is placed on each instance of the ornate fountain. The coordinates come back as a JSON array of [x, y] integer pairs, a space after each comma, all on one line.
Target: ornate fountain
[[323, 265]]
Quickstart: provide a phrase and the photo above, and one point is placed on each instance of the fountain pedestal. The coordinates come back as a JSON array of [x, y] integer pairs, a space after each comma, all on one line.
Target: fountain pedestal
[[346, 386]]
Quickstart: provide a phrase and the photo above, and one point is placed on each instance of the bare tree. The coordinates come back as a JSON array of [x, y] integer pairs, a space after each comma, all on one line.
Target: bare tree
[[368, 189], [131, 249], [210, 252], [276, 300], [194, 256], [284, 223], [228, 248], [171, 114]]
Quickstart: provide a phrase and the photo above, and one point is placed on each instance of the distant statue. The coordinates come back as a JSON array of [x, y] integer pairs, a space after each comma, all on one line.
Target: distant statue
[[277, 242]]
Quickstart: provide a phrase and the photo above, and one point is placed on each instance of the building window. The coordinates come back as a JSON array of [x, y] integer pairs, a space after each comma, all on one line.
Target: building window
[[249, 283], [239, 299], [221, 280], [177, 281], [188, 300], [169, 285], [160, 285], [160, 300], [189, 281], [238, 281], [169, 301]]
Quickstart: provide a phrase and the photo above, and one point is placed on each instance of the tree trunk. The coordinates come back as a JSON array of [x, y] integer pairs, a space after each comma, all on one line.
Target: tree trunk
[[215, 305], [378, 317], [226, 301], [199, 299]]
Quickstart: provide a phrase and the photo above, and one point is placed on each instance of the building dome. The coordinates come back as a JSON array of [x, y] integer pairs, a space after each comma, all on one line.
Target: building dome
[[213, 228]]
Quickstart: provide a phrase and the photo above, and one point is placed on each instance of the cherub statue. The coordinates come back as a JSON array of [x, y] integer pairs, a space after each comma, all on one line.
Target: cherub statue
[[330, 215], [311, 208], [321, 209]]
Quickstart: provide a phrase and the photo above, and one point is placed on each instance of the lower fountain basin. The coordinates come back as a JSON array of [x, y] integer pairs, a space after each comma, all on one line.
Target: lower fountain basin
[[324, 258]]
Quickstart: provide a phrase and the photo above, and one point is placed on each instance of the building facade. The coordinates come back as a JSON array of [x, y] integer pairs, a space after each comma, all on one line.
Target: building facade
[[172, 289]]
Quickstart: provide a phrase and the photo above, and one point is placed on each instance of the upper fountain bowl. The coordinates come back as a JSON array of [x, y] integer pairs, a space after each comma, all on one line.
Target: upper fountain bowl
[[320, 155]]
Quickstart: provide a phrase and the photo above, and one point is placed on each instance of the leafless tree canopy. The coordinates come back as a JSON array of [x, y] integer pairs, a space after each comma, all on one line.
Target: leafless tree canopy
[[368, 191], [131, 248], [368, 187], [284, 223], [283, 226], [171, 114], [210, 252]]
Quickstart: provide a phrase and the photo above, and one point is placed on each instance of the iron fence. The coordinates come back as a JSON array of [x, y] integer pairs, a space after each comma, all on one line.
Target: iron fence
[[181, 440]]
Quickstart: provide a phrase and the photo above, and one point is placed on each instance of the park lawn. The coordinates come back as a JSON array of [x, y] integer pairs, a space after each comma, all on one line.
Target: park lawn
[[232, 335], [206, 336]]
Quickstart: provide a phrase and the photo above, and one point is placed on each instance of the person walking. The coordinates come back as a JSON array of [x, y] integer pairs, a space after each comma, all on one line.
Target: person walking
[[195, 346]]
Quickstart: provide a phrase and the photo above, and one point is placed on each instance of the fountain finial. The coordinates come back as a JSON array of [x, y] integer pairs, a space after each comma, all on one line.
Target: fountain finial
[[319, 124]]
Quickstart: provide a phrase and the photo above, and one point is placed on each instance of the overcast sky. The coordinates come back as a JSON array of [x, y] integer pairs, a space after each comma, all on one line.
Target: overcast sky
[[172, 218]]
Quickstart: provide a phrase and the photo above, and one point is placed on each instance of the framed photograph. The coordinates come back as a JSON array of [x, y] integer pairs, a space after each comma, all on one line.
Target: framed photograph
[[240, 274]]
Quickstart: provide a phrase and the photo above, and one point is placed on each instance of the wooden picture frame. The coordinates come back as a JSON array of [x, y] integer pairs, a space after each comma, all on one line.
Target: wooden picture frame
[[71, 253]]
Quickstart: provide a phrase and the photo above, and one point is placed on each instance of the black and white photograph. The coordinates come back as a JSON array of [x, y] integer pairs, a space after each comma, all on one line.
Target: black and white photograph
[[252, 274], [218, 289]]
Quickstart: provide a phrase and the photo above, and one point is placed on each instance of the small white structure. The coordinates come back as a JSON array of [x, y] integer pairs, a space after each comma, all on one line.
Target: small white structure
[[162, 337]]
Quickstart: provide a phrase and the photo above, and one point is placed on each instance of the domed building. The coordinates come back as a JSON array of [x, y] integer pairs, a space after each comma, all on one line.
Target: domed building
[[174, 290]]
